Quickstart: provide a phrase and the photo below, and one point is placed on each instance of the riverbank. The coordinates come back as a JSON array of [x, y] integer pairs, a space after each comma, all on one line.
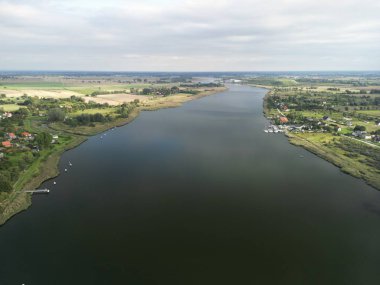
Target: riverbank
[[46, 167], [338, 158], [328, 147]]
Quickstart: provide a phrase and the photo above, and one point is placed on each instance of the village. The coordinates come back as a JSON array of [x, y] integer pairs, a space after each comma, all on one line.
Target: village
[[41, 119], [338, 121], [324, 120]]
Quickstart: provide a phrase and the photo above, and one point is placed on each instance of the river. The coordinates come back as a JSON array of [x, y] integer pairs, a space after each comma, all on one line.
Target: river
[[196, 195]]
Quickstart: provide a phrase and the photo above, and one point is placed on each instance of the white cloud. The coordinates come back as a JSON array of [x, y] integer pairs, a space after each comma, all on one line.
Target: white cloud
[[189, 34]]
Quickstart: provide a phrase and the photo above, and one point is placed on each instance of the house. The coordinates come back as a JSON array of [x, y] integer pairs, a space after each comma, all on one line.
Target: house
[[55, 137], [283, 120], [11, 136], [26, 135], [326, 118], [6, 144], [1, 155], [7, 115], [285, 108]]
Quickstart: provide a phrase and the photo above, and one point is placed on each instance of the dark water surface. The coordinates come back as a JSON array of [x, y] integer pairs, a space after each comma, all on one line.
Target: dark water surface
[[196, 195]]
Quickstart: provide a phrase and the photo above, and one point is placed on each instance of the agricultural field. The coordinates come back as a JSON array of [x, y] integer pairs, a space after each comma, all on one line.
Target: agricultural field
[[40, 120]]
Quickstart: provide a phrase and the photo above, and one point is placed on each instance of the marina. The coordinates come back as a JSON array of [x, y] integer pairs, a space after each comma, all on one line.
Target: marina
[[274, 129]]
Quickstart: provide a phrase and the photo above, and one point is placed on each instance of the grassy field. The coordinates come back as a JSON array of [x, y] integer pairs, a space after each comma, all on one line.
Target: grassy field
[[327, 146], [32, 85], [374, 113], [103, 111], [9, 107]]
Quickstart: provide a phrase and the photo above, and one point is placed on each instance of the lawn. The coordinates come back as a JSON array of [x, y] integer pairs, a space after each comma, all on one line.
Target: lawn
[[374, 113], [103, 111], [32, 85], [10, 107]]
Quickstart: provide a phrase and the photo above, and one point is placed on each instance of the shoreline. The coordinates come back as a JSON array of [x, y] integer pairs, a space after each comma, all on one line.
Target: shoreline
[[20, 201], [322, 152]]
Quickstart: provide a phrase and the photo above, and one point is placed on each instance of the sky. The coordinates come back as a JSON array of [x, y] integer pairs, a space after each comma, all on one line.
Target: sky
[[190, 35]]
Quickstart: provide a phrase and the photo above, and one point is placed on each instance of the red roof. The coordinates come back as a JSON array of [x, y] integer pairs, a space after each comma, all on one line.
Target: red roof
[[6, 144], [283, 119], [12, 135], [25, 134]]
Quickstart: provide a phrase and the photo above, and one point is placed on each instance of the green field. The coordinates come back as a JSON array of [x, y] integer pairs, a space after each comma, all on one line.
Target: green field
[[32, 85], [103, 111], [374, 113], [10, 107]]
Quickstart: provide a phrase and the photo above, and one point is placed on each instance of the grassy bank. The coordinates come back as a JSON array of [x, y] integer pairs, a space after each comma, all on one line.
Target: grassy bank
[[46, 166], [354, 157], [325, 146]]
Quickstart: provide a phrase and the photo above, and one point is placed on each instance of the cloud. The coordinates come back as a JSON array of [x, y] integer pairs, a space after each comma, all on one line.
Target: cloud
[[190, 35]]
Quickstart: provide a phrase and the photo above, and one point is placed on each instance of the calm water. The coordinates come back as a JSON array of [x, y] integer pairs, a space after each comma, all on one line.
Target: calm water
[[196, 195]]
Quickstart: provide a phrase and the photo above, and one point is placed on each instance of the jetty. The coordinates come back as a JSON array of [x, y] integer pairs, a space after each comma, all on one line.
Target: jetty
[[38, 191]]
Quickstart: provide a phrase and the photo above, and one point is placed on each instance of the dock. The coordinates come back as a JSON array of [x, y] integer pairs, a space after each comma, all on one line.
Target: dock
[[38, 191]]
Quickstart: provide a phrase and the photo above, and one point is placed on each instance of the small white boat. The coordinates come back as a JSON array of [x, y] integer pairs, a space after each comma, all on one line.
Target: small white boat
[[70, 163], [54, 182], [65, 169]]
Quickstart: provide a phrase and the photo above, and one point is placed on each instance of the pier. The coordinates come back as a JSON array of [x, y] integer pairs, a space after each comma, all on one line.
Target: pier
[[38, 191]]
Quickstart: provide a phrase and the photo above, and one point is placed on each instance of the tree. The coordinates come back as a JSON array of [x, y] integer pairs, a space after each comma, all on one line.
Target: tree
[[56, 115], [359, 128], [146, 91], [5, 185], [43, 139]]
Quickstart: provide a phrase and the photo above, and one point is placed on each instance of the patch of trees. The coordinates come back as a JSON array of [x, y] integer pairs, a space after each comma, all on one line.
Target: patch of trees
[[200, 85], [56, 115], [43, 139], [95, 93], [88, 119], [164, 91], [359, 128]]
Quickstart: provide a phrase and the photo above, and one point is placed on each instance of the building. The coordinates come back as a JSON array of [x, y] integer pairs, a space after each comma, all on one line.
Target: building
[[7, 115], [26, 135], [283, 120], [6, 144], [11, 136]]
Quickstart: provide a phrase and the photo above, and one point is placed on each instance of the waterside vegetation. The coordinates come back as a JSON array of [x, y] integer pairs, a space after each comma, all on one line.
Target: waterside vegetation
[[38, 129], [337, 118]]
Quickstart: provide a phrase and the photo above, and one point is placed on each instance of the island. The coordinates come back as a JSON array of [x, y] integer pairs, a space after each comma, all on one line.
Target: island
[[41, 116]]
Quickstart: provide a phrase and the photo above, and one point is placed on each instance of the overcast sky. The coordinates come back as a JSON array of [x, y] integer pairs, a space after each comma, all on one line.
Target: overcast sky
[[190, 35]]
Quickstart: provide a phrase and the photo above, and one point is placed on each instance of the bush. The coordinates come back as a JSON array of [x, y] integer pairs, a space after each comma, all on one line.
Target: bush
[[56, 115], [5, 185], [359, 128]]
